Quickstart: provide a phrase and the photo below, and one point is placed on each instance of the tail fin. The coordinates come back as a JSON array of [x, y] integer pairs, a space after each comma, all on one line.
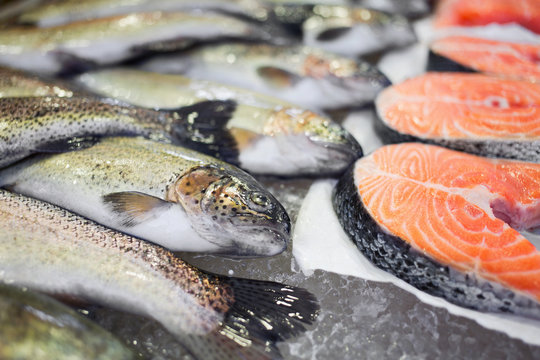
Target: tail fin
[[262, 314], [203, 127]]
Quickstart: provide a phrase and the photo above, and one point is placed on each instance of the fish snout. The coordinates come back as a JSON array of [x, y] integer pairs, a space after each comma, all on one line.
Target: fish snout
[[337, 152]]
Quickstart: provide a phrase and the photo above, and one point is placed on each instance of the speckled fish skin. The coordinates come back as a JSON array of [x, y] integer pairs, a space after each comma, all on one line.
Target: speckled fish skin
[[308, 77], [15, 83], [50, 249], [446, 222], [108, 40], [272, 136], [38, 124], [59, 12], [34, 326], [172, 196]]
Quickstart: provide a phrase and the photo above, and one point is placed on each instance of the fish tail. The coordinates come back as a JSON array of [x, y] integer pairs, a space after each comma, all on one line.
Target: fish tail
[[262, 314], [203, 127]]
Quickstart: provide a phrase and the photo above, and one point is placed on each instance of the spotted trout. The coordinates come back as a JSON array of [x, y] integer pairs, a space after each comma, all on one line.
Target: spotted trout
[[169, 195], [35, 326], [85, 44], [262, 134], [309, 77], [49, 249]]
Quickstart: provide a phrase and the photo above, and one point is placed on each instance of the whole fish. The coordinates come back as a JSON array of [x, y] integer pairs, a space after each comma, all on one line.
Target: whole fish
[[16, 83], [338, 28], [305, 76], [34, 326], [270, 136], [58, 12], [215, 317], [84, 44], [172, 196]]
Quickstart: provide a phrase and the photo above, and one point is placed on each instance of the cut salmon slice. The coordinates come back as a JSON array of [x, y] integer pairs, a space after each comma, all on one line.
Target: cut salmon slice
[[441, 220], [483, 12], [468, 112], [504, 59]]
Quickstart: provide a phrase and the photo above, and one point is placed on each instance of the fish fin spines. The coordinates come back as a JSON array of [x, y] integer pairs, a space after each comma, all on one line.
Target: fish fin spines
[[272, 311], [203, 127], [277, 77], [333, 33], [261, 314], [133, 207]]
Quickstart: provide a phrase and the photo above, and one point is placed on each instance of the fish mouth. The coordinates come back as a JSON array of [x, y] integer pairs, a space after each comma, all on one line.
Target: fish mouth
[[278, 243]]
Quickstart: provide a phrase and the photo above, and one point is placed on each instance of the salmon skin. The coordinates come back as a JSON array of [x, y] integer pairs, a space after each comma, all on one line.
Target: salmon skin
[[474, 113], [482, 12], [499, 58], [439, 219]]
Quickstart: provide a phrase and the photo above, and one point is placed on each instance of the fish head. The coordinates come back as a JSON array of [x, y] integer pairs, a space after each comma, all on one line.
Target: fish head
[[344, 81], [230, 209], [309, 143]]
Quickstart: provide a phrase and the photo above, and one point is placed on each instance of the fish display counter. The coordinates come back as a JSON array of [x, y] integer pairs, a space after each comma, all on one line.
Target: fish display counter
[[294, 249]]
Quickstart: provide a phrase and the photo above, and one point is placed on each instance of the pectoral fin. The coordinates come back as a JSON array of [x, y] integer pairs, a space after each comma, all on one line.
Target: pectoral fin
[[277, 77], [134, 207], [333, 33]]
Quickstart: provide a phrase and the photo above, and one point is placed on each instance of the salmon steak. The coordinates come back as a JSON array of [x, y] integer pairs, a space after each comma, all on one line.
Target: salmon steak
[[482, 12], [497, 58], [446, 222], [474, 113]]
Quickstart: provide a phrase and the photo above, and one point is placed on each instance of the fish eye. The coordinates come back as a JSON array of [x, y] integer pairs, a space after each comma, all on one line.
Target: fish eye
[[259, 199]]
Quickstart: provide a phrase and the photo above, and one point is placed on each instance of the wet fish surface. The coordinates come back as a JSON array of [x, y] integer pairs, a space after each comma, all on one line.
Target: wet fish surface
[[468, 112], [86, 44], [270, 136], [170, 195], [305, 76], [446, 222], [215, 317], [499, 58], [34, 326]]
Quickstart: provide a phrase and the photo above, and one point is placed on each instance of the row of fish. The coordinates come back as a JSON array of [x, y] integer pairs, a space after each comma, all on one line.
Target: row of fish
[[121, 31], [445, 221]]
